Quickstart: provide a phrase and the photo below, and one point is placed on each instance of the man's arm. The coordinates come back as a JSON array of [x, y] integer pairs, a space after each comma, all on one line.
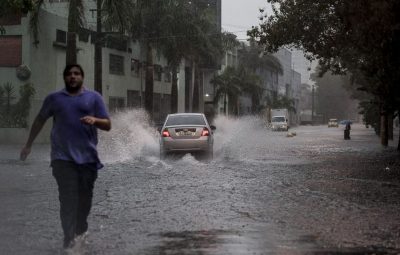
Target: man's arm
[[37, 125], [103, 124]]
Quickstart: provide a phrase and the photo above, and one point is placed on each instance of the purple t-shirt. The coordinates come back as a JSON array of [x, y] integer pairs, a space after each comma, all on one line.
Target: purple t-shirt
[[72, 140]]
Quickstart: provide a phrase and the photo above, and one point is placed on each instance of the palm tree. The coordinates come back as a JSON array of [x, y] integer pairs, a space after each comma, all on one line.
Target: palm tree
[[176, 38], [147, 27], [115, 17], [205, 49], [14, 7], [227, 85], [250, 84], [75, 20]]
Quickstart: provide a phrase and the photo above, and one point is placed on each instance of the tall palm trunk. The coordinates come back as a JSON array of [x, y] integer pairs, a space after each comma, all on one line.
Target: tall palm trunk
[[225, 96], [71, 56], [201, 90], [98, 56], [149, 83], [390, 126], [398, 144], [192, 85], [384, 127], [174, 90], [196, 91]]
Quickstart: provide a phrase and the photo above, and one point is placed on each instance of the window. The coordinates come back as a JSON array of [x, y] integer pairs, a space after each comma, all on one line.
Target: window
[[135, 67], [157, 72], [167, 77], [10, 51], [167, 74], [189, 119], [83, 35], [61, 36], [116, 103], [116, 64], [116, 43], [133, 99]]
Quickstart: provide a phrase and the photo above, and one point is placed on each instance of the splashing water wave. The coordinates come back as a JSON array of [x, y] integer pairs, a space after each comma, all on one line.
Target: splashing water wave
[[131, 137]]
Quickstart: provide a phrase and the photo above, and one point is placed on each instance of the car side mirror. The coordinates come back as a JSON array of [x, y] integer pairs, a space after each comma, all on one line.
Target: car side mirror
[[159, 129], [213, 127]]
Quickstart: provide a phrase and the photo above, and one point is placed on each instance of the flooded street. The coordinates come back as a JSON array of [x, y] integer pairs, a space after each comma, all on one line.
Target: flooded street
[[263, 193]]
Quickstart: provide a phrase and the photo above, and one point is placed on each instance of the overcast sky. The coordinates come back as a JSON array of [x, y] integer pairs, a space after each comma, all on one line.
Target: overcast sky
[[239, 15]]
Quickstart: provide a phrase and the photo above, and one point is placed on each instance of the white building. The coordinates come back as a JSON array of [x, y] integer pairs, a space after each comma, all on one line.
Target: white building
[[123, 79]]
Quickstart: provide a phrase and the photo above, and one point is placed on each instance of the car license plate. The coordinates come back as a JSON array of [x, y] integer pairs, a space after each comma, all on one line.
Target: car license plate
[[185, 133]]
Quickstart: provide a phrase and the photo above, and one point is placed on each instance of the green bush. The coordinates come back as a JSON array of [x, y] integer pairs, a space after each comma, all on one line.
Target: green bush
[[15, 115]]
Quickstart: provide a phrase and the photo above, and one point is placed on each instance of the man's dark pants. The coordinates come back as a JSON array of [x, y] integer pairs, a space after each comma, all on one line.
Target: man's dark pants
[[75, 189]]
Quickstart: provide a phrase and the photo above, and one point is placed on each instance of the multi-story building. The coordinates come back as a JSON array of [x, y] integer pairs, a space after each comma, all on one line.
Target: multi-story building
[[289, 83], [44, 60]]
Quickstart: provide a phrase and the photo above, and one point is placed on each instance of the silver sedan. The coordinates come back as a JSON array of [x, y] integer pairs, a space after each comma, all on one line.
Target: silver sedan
[[186, 133]]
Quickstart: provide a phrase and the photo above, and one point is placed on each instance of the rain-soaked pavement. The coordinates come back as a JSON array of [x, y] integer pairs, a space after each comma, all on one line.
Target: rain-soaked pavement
[[263, 193]]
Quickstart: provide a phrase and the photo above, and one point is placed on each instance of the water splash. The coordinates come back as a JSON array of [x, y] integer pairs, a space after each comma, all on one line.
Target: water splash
[[131, 137], [238, 137]]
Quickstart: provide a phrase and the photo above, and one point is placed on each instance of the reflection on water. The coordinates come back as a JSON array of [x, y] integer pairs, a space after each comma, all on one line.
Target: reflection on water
[[217, 241]]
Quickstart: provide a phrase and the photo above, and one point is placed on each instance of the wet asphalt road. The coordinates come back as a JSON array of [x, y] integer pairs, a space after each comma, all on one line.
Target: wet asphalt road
[[263, 193]]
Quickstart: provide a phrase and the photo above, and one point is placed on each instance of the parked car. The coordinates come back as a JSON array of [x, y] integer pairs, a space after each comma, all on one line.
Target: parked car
[[186, 133], [333, 123]]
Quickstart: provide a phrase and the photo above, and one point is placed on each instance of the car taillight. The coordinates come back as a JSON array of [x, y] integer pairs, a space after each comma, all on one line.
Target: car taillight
[[205, 132], [165, 133]]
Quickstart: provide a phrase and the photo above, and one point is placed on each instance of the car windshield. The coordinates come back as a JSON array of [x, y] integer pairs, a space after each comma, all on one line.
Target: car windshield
[[278, 119], [185, 120], [333, 120]]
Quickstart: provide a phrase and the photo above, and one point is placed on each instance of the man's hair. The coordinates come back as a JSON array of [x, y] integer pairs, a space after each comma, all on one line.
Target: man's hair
[[69, 67]]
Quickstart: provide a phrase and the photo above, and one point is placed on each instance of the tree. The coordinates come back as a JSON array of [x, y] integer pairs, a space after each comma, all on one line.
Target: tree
[[75, 21], [115, 16], [360, 37], [147, 28], [15, 115], [227, 85], [252, 60], [12, 7], [250, 84], [179, 31], [187, 31]]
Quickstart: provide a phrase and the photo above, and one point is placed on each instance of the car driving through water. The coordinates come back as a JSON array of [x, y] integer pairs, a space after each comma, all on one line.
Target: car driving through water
[[186, 133]]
